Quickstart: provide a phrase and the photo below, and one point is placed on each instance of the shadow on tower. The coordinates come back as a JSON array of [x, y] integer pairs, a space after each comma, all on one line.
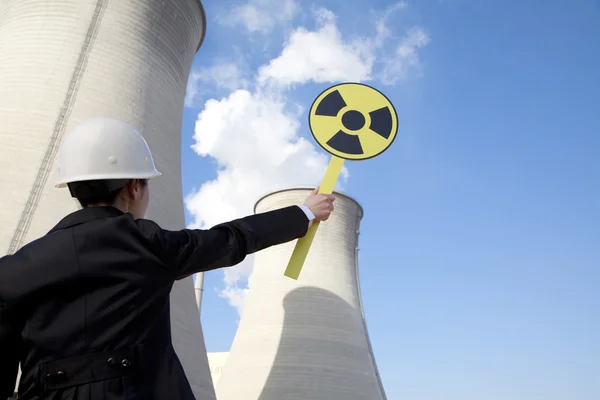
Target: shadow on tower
[[323, 352]]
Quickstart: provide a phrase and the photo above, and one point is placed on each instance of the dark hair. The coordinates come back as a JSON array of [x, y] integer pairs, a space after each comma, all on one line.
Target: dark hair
[[99, 191]]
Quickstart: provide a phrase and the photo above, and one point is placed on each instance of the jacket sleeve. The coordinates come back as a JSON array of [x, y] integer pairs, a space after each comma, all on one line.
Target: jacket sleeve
[[195, 250], [10, 338]]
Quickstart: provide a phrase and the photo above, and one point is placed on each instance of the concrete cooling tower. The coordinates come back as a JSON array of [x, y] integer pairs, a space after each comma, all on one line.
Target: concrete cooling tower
[[304, 339], [63, 61]]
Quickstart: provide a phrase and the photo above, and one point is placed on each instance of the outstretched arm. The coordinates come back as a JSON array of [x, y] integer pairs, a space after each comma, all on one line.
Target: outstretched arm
[[10, 343], [195, 250], [191, 251]]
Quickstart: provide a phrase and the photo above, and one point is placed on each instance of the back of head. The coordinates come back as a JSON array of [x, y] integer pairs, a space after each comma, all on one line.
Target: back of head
[[100, 156]]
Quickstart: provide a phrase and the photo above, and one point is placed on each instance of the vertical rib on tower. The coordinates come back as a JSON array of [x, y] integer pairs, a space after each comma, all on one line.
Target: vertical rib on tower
[[69, 60], [304, 339]]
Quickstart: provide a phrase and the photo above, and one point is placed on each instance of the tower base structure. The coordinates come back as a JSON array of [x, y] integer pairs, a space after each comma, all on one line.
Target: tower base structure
[[304, 339]]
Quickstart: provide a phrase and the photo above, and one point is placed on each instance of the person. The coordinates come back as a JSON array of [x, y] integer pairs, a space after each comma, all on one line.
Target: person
[[85, 308]]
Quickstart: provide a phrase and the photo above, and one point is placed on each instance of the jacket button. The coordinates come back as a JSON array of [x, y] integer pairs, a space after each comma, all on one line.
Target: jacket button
[[111, 362], [126, 363], [56, 377]]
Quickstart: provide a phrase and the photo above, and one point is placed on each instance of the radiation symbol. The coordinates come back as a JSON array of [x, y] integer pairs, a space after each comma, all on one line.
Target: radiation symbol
[[353, 121]]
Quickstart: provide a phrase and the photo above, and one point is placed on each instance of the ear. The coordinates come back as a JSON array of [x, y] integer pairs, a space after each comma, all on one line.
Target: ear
[[133, 189]]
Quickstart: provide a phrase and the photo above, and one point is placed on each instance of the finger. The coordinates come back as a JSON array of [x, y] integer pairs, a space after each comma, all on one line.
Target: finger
[[315, 190]]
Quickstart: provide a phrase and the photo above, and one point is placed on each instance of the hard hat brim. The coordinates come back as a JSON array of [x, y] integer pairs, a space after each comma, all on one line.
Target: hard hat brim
[[64, 184]]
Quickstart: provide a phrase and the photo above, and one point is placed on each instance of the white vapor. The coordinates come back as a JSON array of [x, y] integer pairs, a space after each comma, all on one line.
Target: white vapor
[[318, 56], [405, 58], [261, 15], [253, 133], [222, 75]]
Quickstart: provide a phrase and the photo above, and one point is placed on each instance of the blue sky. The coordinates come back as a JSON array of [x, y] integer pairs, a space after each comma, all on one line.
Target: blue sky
[[480, 263]]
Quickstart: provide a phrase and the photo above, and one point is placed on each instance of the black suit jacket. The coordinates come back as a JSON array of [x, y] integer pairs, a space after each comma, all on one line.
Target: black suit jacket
[[85, 309]]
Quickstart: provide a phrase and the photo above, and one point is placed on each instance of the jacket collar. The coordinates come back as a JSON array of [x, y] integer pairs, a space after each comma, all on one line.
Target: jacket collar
[[86, 215]]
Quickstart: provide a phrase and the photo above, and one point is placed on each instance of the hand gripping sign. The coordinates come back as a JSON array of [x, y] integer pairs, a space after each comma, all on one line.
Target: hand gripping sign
[[351, 121]]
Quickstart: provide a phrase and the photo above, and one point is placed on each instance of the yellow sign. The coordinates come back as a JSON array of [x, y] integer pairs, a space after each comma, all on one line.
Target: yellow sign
[[351, 121]]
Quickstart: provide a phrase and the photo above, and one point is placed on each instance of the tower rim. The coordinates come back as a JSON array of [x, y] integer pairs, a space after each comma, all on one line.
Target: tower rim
[[203, 16], [308, 187]]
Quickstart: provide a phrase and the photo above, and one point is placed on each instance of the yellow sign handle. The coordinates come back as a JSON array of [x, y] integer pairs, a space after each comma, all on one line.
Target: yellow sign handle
[[303, 244]]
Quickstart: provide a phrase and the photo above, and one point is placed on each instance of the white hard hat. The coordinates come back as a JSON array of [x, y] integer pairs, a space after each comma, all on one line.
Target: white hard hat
[[102, 149]]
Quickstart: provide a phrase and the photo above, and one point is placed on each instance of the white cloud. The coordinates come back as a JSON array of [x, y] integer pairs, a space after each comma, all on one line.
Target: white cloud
[[324, 56], [261, 15], [405, 57], [383, 30], [318, 56], [235, 296], [256, 144], [253, 133], [222, 75]]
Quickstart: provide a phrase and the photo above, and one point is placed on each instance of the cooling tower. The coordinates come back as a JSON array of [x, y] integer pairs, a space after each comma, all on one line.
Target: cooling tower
[[216, 362], [304, 339], [63, 61]]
